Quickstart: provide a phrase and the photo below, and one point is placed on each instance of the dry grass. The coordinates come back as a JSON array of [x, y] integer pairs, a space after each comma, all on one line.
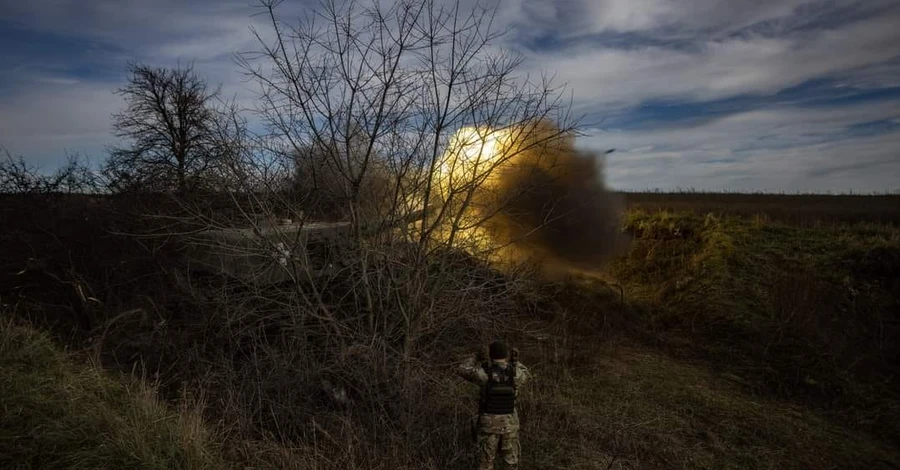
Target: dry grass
[[60, 414], [811, 210], [633, 408]]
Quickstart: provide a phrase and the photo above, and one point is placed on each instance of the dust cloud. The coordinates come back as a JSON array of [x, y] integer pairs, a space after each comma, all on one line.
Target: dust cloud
[[549, 203]]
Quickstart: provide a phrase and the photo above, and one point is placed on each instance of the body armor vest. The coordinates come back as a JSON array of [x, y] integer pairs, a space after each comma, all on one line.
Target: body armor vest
[[498, 396]]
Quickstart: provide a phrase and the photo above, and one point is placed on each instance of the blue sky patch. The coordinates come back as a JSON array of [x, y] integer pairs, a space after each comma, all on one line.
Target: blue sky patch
[[27, 53]]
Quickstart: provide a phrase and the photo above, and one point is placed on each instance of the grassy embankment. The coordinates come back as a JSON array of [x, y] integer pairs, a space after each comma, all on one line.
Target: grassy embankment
[[59, 413], [755, 345]]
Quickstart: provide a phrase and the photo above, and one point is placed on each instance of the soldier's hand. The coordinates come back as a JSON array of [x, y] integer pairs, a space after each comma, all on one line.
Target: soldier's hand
[[480, 356]]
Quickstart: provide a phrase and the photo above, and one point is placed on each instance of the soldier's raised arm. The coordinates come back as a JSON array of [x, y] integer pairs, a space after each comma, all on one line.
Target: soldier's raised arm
[[472, 371], [523, 374]]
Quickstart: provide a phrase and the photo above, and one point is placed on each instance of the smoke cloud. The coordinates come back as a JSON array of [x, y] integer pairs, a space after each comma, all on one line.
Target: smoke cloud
[[549, 203]]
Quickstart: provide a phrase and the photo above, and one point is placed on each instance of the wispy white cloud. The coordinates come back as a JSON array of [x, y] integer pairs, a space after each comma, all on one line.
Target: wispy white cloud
[[784, 149], [615, 55], [686, 19], [640, 15], [51, 109], [600, 75]]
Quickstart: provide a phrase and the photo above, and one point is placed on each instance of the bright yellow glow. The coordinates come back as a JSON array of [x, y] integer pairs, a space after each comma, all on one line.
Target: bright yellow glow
[[473, 153], [475, 143], [476, 179], [470, 163]]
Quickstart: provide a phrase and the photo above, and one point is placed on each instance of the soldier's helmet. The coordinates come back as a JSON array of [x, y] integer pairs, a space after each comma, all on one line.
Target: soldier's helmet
[[498, 350]]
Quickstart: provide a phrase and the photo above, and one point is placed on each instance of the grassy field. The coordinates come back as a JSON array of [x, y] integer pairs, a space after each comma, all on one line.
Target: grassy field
[[746, 343], [810, 210], [737, 331]]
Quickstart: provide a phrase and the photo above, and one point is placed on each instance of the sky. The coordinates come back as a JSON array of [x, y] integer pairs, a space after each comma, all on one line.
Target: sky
[[734, 95]]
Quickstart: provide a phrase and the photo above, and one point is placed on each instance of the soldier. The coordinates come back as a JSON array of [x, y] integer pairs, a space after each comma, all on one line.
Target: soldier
[[497, 424]]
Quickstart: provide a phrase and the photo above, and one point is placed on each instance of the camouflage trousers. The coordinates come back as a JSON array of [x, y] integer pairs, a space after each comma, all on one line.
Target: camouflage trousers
[[490, 443]]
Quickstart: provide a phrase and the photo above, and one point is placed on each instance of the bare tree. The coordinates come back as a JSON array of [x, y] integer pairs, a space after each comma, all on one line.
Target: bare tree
[[370, 85], [170, 123], [18, 177], [406, 112]]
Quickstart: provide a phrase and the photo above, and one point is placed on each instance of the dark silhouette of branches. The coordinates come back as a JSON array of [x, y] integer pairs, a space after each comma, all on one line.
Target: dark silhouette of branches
[[19, 177], [170, 122], [370, 96]]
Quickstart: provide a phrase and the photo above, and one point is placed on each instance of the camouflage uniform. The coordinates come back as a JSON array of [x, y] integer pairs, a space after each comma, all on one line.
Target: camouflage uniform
[[496, 431]]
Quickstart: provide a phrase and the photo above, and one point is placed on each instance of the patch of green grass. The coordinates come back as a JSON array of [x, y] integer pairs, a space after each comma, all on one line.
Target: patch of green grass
[[57, 413]]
